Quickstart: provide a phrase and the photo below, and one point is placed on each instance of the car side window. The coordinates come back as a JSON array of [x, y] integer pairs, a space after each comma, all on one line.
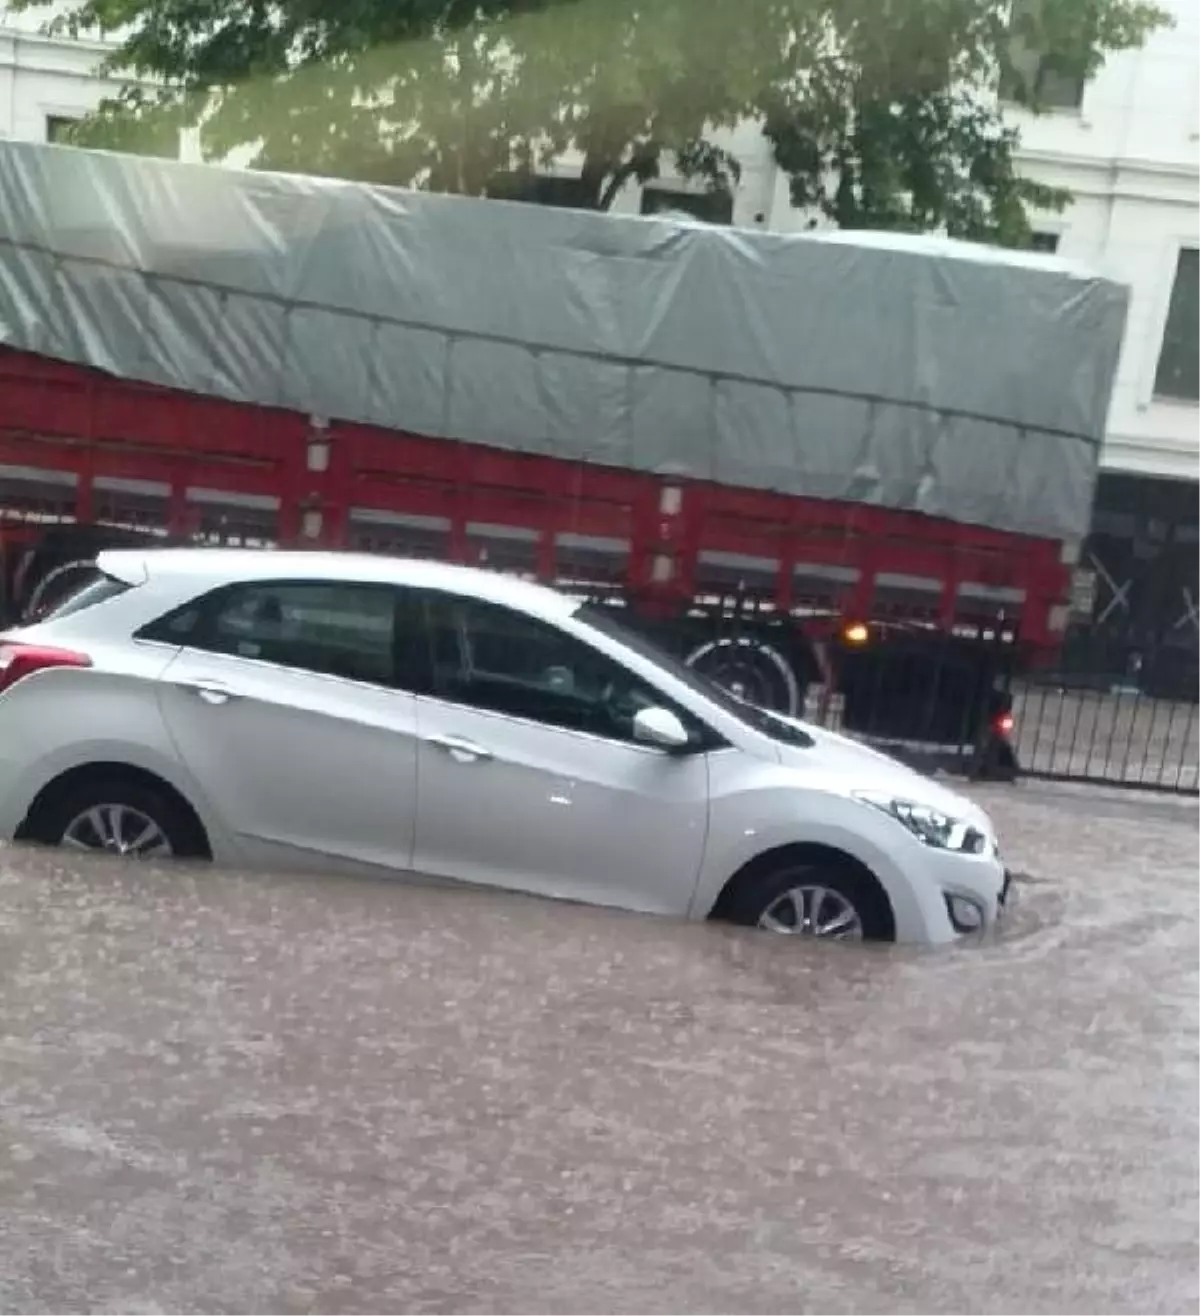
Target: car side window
[[360, 632], [333, 628], [498, 660]]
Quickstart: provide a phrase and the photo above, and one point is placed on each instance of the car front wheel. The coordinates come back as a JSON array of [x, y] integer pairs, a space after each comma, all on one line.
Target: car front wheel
[[823, 899]]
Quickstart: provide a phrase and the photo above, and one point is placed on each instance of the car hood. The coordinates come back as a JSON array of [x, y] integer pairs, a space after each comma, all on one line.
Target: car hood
[[857, 767]]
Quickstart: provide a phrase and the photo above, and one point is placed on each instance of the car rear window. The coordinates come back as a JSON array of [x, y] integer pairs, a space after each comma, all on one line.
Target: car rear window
[[83, 592]]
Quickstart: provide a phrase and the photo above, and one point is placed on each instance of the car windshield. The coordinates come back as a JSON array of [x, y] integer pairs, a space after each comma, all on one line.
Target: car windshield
[[601, 619]]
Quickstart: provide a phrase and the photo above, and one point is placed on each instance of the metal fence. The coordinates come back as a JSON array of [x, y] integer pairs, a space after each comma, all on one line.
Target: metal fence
[[1082, 725], [1119, 736], [1121, 709], [1087, 724], [1109, 714]]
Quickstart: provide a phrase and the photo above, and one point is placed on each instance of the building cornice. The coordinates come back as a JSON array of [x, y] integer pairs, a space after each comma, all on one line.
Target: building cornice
[[15, 37], [1109, 166], [1139, 454]]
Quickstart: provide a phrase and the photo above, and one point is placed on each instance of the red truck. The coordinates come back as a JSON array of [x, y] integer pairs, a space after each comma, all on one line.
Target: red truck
[[855, 465]]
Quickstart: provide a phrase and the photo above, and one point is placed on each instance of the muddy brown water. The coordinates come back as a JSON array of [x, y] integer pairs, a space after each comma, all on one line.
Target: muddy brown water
[[231, 1093]]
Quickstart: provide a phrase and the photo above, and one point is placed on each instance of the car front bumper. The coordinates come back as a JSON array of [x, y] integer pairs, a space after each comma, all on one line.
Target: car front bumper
[[947, 897]]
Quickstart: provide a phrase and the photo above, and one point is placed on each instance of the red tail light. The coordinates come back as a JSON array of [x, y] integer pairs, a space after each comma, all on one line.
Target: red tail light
[[18, 660], [1004, 724]]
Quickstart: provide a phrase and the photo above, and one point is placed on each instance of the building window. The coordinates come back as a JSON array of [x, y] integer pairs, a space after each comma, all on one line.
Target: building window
[[540, 189], [59, 126], [1178, 374], [1044, 242], [711, 207], [1035, 76]]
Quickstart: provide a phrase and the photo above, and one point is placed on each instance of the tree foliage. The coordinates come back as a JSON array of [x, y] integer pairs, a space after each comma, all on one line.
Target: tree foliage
[[882, 113], [897, 119]]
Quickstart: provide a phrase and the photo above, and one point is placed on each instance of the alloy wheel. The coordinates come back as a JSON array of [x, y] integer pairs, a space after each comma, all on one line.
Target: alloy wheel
[[812, 910], [117, 829]]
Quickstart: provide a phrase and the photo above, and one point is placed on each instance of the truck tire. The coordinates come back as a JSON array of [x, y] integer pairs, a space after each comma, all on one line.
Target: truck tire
[[752, 670], [60, 556], [53, 586]]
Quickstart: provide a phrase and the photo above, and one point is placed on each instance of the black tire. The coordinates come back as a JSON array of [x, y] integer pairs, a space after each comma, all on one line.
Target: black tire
[[49, 588], [755, 891], [751, 669], [59, 556], [53, 813]]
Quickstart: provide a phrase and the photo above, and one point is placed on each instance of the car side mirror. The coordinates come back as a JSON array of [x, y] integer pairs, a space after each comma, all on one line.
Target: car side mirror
[[661, 728]]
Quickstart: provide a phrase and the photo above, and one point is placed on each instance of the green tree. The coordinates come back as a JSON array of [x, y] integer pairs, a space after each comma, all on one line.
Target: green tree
[[444, 96], [895, 120], [882, 113]]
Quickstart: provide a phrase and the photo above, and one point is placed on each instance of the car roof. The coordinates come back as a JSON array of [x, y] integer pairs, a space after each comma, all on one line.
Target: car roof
[[213, 567]]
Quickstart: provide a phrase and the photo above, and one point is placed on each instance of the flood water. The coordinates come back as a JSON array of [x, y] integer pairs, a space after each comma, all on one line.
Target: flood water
[[227, 1093]]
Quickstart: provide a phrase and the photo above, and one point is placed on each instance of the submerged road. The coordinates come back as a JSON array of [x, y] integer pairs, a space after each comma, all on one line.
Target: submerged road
[[224, 1093]]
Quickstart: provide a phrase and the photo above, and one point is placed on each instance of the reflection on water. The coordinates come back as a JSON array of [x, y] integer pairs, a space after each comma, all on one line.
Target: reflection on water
[[232, 1093]]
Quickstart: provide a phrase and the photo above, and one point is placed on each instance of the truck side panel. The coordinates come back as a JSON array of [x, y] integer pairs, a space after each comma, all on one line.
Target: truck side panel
[[77, 446]]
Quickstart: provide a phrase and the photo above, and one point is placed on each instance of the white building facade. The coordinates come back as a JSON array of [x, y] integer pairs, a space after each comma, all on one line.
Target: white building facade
[[45, 81], [1128, 154]]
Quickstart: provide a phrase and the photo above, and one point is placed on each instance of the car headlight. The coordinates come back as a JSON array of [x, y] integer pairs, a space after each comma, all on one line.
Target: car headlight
[[930, 826]]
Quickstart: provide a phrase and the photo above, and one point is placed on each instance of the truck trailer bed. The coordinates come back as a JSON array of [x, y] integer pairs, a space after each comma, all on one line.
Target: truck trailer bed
[[908, 373]]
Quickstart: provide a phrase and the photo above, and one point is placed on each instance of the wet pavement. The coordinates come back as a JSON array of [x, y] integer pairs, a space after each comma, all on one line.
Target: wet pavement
[[226, 1093]]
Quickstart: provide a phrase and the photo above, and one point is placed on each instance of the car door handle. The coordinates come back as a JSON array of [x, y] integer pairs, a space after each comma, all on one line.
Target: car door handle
[[212, 692], [460, 749]]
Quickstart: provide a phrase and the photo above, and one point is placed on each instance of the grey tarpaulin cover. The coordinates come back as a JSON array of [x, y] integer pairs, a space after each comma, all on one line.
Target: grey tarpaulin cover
[[910, 373]]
